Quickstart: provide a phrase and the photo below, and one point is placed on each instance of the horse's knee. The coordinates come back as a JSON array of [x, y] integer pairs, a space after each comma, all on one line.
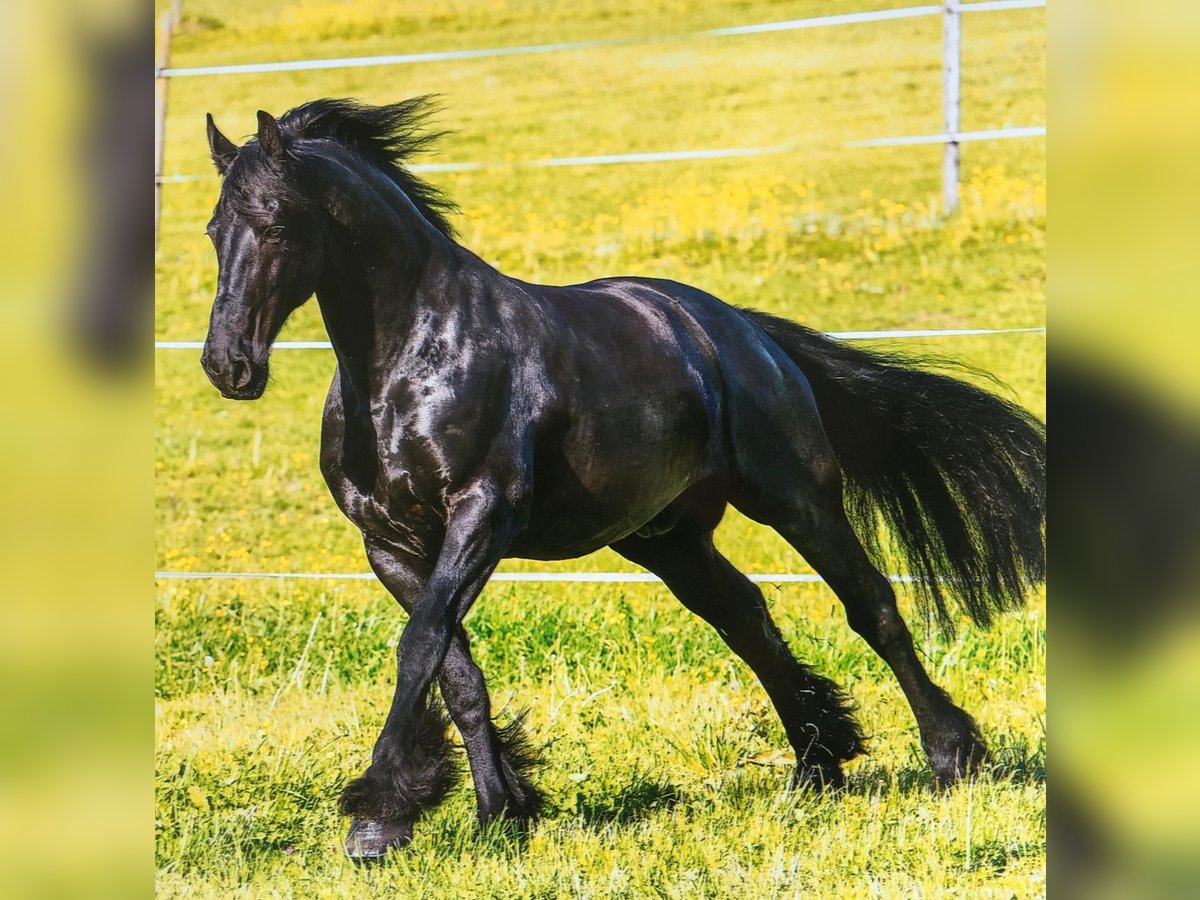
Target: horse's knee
[[468, 700], [876, 618], [463, 686], [825, 479]]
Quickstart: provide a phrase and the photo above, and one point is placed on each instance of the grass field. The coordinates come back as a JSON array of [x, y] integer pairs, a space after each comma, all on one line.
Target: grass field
[[665, 766]]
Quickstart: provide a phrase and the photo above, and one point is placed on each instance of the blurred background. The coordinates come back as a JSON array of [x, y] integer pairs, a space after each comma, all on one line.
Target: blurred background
[[1125, 792], [795, 215]]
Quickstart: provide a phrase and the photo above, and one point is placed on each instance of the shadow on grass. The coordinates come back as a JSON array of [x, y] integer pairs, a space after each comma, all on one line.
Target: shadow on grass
[[500, 837], [1018, 761], [1011, 760], [637, 800], [995, 856], [640, 798], [876, 779]]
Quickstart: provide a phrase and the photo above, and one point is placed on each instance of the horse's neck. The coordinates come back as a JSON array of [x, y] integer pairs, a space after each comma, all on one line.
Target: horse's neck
[[385, 267]]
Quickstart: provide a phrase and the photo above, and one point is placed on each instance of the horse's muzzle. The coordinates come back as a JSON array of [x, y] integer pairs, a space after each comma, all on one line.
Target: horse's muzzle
[[236, 377]]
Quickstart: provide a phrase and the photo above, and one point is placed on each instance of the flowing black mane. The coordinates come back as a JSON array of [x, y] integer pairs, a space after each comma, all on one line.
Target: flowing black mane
[[387, 135]]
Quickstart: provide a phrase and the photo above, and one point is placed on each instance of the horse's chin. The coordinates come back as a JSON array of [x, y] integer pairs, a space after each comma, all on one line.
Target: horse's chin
[[252, 390], [250, 393]]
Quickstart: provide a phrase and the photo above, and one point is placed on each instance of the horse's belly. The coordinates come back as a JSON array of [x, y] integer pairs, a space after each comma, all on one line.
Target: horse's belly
[[550, 546], [564, 531], [565, 534], [592, 492]]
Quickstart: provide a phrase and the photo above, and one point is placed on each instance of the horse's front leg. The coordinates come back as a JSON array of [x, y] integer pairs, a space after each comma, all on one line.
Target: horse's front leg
[[409, 769], [501, 758]]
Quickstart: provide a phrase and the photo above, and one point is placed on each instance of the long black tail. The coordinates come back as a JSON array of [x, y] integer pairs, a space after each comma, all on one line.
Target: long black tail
[[957, 474]]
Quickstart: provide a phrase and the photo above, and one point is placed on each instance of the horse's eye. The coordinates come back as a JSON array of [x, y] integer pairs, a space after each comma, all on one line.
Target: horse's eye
[[275, 232]]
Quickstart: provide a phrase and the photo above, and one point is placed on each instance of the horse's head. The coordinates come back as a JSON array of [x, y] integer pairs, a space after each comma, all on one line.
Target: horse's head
[[269, 243]]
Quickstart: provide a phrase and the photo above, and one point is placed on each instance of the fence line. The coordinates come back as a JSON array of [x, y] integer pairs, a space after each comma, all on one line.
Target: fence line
[[841, 335], [598, 43], [608, 159], [958, 137], [523, 577], [951, 138]]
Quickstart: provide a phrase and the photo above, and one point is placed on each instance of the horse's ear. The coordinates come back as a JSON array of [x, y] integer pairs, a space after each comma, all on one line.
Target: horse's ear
[[223, 150], [270, 139]]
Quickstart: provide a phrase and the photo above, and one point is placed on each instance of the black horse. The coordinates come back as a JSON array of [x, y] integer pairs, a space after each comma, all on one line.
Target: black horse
[[474, 417]]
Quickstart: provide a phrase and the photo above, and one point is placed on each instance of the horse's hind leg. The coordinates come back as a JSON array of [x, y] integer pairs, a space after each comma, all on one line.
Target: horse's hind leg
[[805, 505], [500, 758], [816, 715]]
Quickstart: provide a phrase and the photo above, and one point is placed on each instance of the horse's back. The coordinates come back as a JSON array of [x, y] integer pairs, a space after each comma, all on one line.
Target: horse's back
[[769, 421], [750, 366]]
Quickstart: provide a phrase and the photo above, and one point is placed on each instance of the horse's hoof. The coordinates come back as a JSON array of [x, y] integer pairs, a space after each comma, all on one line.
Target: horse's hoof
[[367, 841], [960, 753], [952, 766]]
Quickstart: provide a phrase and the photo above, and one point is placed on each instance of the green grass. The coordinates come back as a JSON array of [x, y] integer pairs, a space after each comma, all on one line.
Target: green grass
[[666, 769], [664, 763]]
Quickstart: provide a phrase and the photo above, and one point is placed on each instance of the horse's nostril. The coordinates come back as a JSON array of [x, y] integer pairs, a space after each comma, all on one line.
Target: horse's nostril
[[241, 374]]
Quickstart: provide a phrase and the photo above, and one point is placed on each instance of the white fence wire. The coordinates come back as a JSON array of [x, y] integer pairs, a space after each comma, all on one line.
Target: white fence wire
[[952, 138], [610, 159], [397, 59]]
